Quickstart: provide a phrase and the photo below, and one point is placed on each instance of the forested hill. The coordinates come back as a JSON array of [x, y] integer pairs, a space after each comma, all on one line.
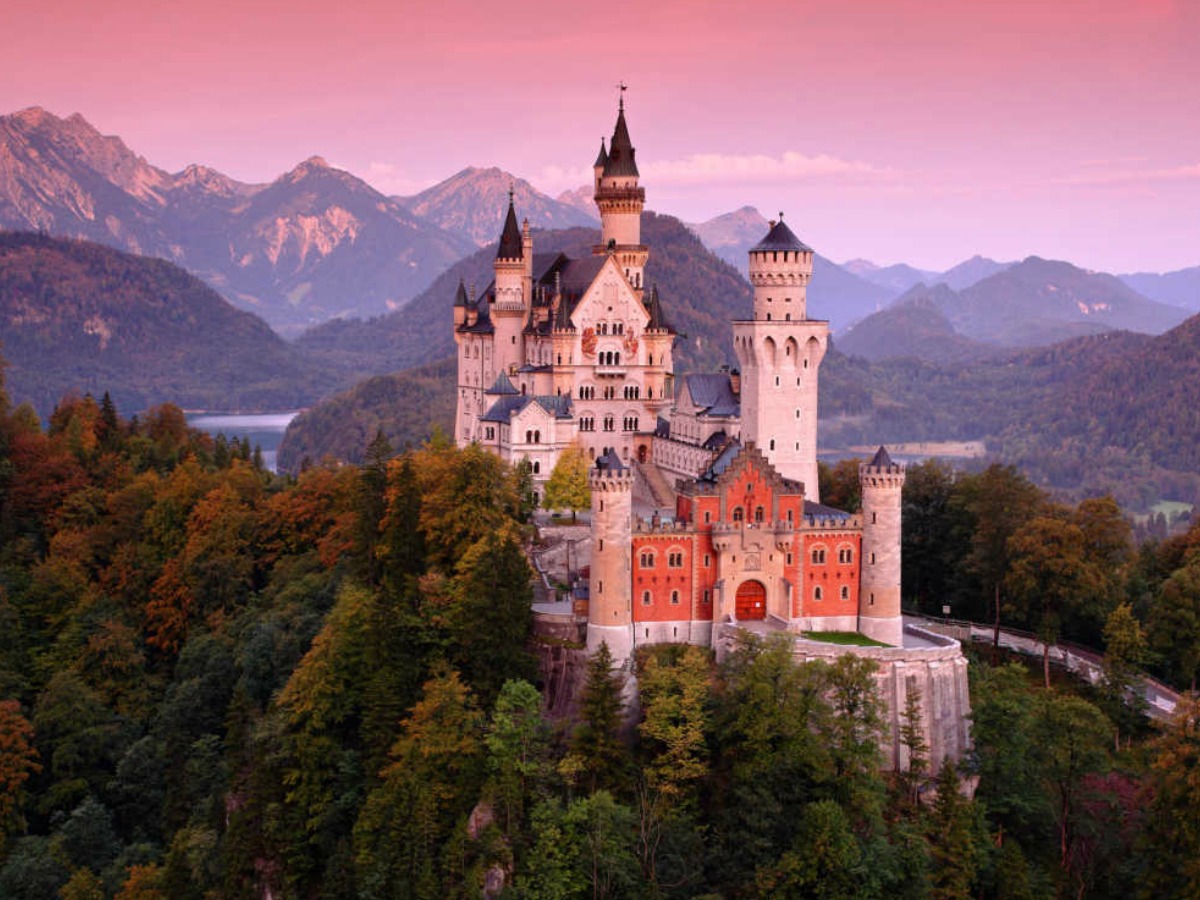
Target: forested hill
[[406, 407], [77, 316], [700, 295]]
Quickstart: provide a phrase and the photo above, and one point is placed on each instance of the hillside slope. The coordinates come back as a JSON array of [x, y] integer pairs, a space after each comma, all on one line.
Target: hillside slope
[[78, 316]]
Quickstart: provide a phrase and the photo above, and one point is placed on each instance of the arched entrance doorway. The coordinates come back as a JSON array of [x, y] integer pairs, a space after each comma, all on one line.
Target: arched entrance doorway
[[751, 601], [642, 453]]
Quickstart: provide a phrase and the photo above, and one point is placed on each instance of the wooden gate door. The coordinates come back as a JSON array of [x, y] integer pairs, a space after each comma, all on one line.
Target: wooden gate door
[[751, 602]]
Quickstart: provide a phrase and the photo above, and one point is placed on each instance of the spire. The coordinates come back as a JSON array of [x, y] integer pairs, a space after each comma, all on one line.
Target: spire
[[654, 309], [562, 319], [882, 460], [460, 298], [510, 238], [602, 159], [620, 161]]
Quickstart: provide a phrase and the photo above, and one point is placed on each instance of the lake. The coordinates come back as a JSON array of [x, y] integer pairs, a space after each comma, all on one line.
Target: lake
[[264, 429]]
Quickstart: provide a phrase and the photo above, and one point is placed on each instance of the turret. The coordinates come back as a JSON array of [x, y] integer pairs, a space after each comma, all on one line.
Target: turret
[[598, 166], [780, 350], [610, 610], [780, 268], [509, 310], [879, 592], [620, 201], [460, 305]]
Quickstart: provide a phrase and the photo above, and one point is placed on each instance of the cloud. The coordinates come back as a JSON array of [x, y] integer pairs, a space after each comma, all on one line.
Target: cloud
[[1105, 175], [729, 169], [721, 168]]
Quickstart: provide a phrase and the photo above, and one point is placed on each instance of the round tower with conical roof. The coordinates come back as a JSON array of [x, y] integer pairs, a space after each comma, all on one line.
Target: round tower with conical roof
[[780, 351], [509, 300], [879, 614], [620, 200], [610, 608]]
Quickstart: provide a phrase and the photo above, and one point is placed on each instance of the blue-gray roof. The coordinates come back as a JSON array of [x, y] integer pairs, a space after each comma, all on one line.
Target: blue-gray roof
[[821, 511], [712, 392], [780, 237], [502, 385], [610, 462], [508, 406], [723, 461]]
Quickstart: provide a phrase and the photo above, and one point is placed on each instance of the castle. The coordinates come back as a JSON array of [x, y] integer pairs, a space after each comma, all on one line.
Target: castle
[[559, 351]]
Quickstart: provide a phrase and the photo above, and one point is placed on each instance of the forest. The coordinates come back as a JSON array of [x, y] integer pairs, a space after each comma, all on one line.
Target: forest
[[219, 682]]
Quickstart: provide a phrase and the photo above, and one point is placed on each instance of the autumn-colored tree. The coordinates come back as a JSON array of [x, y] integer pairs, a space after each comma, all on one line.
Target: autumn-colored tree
[[567, 487], [18, 760], [431, 782], [1050, 577], [1172, 839], [144, 882]]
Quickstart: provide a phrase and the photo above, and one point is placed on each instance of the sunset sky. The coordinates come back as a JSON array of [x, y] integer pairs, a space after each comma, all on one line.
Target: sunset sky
[[895, 130]]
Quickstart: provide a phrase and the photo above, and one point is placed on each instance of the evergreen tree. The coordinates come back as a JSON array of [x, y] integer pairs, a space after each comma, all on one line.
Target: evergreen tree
[[951, 841], [596, 741]]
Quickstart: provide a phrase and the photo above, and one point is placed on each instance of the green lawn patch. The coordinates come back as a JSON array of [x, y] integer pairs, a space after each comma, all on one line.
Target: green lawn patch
[[845, 638]]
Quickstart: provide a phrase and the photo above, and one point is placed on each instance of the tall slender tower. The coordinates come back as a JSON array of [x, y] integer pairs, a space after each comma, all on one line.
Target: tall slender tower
[[620, 201], [509, 310], [610, 608], [780, 351], [879, 591]]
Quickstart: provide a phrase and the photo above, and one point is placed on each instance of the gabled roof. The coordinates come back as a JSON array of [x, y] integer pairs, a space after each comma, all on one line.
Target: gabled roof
[[712, 393], [620, 153], [502, 386], [780, 237], [511, 245], [506, 407]]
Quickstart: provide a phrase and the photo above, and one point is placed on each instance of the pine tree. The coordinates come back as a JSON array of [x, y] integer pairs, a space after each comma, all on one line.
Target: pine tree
[[596, 740], [952, 846]]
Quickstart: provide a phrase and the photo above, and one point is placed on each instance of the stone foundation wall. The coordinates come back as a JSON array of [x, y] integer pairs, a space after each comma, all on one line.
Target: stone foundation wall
[[938, 673]]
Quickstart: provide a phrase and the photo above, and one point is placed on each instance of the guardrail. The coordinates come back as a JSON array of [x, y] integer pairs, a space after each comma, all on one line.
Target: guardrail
[[1161, 700]]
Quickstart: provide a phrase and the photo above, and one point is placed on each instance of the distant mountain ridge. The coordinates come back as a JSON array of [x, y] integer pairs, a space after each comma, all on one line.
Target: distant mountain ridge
[[315, 243], [472, 202], [1036, 302], [84, 317]]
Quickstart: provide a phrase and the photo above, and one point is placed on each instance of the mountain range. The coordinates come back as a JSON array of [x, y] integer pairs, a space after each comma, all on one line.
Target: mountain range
[[469, 203], [77, 316], [1032, 303]]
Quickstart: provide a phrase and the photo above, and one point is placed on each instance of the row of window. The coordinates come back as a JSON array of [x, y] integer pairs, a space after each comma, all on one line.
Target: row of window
[[610, 357], [606, 328], [608, 423], [844, 593], [845, 556], [674, 559]]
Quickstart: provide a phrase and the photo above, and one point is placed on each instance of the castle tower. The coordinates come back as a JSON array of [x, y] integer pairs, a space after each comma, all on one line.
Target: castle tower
[[780, 351], [620, 201], [509, 310], [610, 610], [879, 591]]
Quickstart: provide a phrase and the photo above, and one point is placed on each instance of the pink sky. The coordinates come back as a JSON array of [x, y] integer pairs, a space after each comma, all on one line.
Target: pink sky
[[894, 130]]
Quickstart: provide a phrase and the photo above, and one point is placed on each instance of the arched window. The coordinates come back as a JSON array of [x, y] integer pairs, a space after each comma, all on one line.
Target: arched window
[[674, 598], [845, 592], [646, 560], [645, 598], [758, 514], [817, 592], [738, 515], [845, 555], [537, 467], [537, 437], [818, 556], [529, 436]]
